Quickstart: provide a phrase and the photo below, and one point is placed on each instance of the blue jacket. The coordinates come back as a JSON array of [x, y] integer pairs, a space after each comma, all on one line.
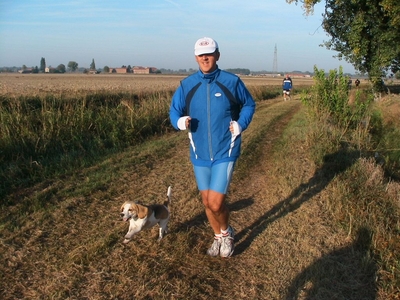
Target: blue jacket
[[287, 84], [212, 101]]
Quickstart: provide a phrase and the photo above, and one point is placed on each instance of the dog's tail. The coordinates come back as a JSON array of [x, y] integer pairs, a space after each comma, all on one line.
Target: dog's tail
[[169, 196]]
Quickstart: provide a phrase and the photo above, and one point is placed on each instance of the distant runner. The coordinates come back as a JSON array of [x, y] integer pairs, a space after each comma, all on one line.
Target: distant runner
[[287, 86]]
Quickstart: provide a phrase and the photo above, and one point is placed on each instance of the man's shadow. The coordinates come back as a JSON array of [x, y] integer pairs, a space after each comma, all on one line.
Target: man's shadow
[[347, 273], [333, 165]]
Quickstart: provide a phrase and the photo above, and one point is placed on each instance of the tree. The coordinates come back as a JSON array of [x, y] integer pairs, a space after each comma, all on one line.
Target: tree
[[60, 68], [92, 65], [72, 66], [366, 33], [42, 65], [106, 69]]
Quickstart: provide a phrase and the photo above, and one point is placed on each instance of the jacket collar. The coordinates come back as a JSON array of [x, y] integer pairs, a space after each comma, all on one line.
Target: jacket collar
[[210, 77]]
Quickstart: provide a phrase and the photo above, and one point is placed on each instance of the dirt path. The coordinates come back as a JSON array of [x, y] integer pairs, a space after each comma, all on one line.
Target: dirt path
[[74, 250]]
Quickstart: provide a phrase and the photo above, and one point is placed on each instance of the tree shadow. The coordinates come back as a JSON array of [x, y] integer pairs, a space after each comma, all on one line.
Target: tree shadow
[[333, 164], [393, 89], [348, 273]]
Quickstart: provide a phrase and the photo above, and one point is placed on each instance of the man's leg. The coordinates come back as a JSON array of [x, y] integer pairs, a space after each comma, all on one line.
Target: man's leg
[[218, 216], [213, 184], [216, 210]]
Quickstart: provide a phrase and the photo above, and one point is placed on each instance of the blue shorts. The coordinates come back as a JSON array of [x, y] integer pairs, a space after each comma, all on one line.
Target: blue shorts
[[216, 178]]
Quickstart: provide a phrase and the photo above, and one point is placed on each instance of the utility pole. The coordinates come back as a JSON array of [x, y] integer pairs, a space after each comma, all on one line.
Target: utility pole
[[275, 65]]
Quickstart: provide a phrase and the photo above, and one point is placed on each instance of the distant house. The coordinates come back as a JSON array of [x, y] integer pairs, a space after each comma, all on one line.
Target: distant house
[[119, 70], [134, 70], [26, 71], [299, 75], [144, 70], [49, 70]]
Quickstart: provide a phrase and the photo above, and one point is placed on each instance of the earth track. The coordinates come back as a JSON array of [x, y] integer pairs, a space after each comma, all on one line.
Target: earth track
[[74, 250]]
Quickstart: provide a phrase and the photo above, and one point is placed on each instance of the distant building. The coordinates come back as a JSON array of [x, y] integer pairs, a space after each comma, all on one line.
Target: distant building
[[49, 70], [119, 70], [26, 71], [134, 70], [144, 70], [299, 75]]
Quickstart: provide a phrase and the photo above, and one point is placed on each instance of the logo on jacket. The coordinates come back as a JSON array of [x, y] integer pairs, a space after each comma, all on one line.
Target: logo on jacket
[[218, 95]]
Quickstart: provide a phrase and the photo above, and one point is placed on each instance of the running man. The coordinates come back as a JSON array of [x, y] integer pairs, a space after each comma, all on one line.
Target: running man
[[287, 86]]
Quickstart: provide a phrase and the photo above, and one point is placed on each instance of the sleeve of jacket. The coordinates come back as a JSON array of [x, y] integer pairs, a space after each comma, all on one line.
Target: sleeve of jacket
[[177, 108], [248, 106]]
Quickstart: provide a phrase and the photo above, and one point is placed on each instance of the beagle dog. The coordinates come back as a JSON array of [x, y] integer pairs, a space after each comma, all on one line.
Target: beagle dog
[[141, 217]]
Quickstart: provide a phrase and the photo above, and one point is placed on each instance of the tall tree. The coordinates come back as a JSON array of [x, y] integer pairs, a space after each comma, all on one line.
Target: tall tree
[[42, 65], [366, 33], [92, 65]]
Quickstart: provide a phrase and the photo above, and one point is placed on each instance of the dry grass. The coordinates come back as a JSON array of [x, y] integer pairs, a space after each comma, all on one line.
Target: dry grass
[[287, 244], [35, 84]]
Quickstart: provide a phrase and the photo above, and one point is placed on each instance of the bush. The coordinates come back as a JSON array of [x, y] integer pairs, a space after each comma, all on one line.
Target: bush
[[340, 117]]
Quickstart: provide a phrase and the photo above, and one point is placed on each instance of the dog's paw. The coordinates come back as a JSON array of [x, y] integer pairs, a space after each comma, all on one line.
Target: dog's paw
[[126, 241]]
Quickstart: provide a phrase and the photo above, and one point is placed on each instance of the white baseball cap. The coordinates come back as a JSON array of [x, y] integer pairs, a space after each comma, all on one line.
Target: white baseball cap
[[205, 45]]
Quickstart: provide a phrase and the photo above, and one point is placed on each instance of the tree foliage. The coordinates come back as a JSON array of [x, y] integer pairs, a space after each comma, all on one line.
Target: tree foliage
[[239, 71], [42, 65], [72, 66], [366, 33], [61, 68], [92, 65]]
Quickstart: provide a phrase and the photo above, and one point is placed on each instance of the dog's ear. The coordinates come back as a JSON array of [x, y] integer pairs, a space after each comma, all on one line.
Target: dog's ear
[[142, 211]]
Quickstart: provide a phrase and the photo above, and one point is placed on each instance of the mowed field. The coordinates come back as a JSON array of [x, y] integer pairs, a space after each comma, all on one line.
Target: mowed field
[[33, 84]]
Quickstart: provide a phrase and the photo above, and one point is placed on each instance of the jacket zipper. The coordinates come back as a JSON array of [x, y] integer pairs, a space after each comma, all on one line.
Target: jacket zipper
[[209, 121]]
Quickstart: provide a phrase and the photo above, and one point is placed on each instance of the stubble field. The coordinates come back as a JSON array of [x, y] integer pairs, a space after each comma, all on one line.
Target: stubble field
[[33, 84]]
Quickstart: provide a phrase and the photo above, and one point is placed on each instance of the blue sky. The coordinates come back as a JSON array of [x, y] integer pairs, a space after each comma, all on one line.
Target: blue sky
[[162, 33]]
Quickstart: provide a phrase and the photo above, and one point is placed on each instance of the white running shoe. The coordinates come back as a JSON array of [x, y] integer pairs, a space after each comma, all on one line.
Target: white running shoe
[[215, 247], [227, 243]]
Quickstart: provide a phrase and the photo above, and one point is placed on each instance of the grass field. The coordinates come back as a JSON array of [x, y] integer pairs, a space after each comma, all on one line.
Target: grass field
[[304, 230], [31, 84]]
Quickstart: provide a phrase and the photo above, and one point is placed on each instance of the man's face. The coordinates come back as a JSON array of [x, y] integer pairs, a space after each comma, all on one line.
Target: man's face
[[207, 62]]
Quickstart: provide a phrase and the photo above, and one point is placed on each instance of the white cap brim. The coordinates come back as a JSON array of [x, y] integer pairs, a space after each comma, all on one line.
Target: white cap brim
[[204, 50]]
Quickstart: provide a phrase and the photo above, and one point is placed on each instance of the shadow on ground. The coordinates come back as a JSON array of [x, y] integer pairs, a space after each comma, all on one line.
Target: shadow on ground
[[348, 273], [333, 164]]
